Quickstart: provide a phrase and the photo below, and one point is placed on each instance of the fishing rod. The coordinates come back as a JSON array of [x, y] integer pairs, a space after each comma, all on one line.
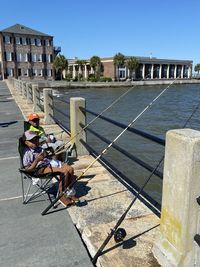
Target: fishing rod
[[120, 233], [61, 149], [108, 147]]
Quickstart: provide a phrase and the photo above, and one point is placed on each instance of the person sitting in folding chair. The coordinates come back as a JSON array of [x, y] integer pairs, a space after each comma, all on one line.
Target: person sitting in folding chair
[[35, 160], [47, 141]]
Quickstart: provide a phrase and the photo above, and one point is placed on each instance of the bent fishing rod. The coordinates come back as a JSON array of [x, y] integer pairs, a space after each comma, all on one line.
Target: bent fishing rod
[[120, 233], [61, 150], [108, 147]]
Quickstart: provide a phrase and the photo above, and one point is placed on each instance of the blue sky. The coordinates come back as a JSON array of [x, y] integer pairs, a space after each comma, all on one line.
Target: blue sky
[[166, 29]]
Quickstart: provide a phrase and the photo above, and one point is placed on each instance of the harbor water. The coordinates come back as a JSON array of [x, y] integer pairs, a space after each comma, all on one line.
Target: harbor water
[[170, 111]]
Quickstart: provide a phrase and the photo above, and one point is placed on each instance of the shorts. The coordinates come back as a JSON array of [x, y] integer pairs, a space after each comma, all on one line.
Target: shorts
[[55, 163]]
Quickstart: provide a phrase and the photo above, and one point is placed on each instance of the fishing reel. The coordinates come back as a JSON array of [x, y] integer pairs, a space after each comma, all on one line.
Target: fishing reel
[[119, 235]]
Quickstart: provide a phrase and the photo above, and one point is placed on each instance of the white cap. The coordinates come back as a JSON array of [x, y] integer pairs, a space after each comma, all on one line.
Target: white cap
[[30, 135]]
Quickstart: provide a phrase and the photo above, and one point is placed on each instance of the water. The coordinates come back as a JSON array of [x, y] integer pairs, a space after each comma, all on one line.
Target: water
[[170, 111]]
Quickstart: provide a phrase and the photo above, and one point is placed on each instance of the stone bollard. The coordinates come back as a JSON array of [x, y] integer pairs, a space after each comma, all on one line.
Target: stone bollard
[[48, 106], [77, 117], [36, 98], [29, 93], [180, 214]]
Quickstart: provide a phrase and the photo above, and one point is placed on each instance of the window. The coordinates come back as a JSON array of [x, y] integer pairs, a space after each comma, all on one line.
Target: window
[[32, 41], [24, 72], [48, 58], [8, 56], [18, 40], [49, 72], [10, 72], [47, 42], [39, 72], [24, 41], [38, 42], [7, 39], [122, 73], [34, 72], [22, 57]]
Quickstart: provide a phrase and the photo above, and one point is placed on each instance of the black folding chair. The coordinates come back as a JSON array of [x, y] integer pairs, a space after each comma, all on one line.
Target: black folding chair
[[36, 186]]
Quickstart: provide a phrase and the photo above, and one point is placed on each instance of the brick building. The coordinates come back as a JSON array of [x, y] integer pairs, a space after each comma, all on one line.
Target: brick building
[[148, 68], [26, 53]]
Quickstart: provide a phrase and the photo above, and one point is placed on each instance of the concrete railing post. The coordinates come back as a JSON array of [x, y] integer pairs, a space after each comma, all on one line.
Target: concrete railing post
[[180, 214], [29, 94], [48, 106], [77, 117], [36, 98]]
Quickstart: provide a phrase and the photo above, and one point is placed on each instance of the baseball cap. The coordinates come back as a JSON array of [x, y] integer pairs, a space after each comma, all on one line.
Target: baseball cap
[[33, 116], [30, 135]]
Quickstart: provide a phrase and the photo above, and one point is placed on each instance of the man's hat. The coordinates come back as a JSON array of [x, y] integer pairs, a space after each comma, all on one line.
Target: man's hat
[[30, 135], [33, 116]]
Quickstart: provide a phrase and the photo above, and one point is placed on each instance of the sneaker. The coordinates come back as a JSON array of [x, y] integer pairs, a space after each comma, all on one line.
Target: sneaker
[[65, 201], [71, 192]]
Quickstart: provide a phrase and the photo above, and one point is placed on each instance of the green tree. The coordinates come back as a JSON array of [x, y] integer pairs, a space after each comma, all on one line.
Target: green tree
[[95, 63], [132, 64], [197, 68], [60, 64], [119, 61]]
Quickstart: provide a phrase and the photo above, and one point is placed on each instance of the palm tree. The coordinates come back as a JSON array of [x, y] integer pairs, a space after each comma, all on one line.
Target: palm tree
[[132, 64], [95, 63], [60, 63], [119, 60], [197, 68]]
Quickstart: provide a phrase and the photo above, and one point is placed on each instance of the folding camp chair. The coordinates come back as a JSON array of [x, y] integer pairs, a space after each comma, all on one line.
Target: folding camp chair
[[36, 186]]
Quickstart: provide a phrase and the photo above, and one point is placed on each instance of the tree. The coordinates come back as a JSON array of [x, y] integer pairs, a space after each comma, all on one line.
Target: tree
[[197, 68], [132, 64], [60, 63], [119, 60], [95, 63]]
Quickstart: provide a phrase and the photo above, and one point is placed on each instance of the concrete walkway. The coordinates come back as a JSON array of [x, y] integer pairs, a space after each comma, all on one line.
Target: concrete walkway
[[27, 238]]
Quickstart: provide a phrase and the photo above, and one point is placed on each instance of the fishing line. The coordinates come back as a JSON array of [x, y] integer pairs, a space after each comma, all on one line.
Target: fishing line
[[61, 150], [109, 146]]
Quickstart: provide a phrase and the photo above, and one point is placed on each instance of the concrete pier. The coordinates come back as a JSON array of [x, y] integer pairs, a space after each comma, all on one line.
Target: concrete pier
[[103, 200]]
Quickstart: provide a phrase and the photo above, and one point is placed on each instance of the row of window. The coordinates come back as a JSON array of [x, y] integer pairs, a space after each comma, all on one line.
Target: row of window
[[29, 72], [27, 57], [26, 41]]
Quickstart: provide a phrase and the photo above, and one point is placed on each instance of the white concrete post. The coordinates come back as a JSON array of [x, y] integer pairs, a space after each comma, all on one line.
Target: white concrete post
[[152, 68], [29, 97], [182, 68], [180, 214], [160, 71], [168, 71], [48, 106], [143, 71], [190, 72], [175, 70], [77, 117], [36, 98], [74, 72], [86, 72]]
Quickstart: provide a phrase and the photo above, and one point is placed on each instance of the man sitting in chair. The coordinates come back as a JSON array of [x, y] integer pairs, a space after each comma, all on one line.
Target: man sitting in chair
[[35, 160], [46, 140]]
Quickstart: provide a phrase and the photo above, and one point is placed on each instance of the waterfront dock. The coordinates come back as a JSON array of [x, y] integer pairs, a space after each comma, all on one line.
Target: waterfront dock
[[103, 200]]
